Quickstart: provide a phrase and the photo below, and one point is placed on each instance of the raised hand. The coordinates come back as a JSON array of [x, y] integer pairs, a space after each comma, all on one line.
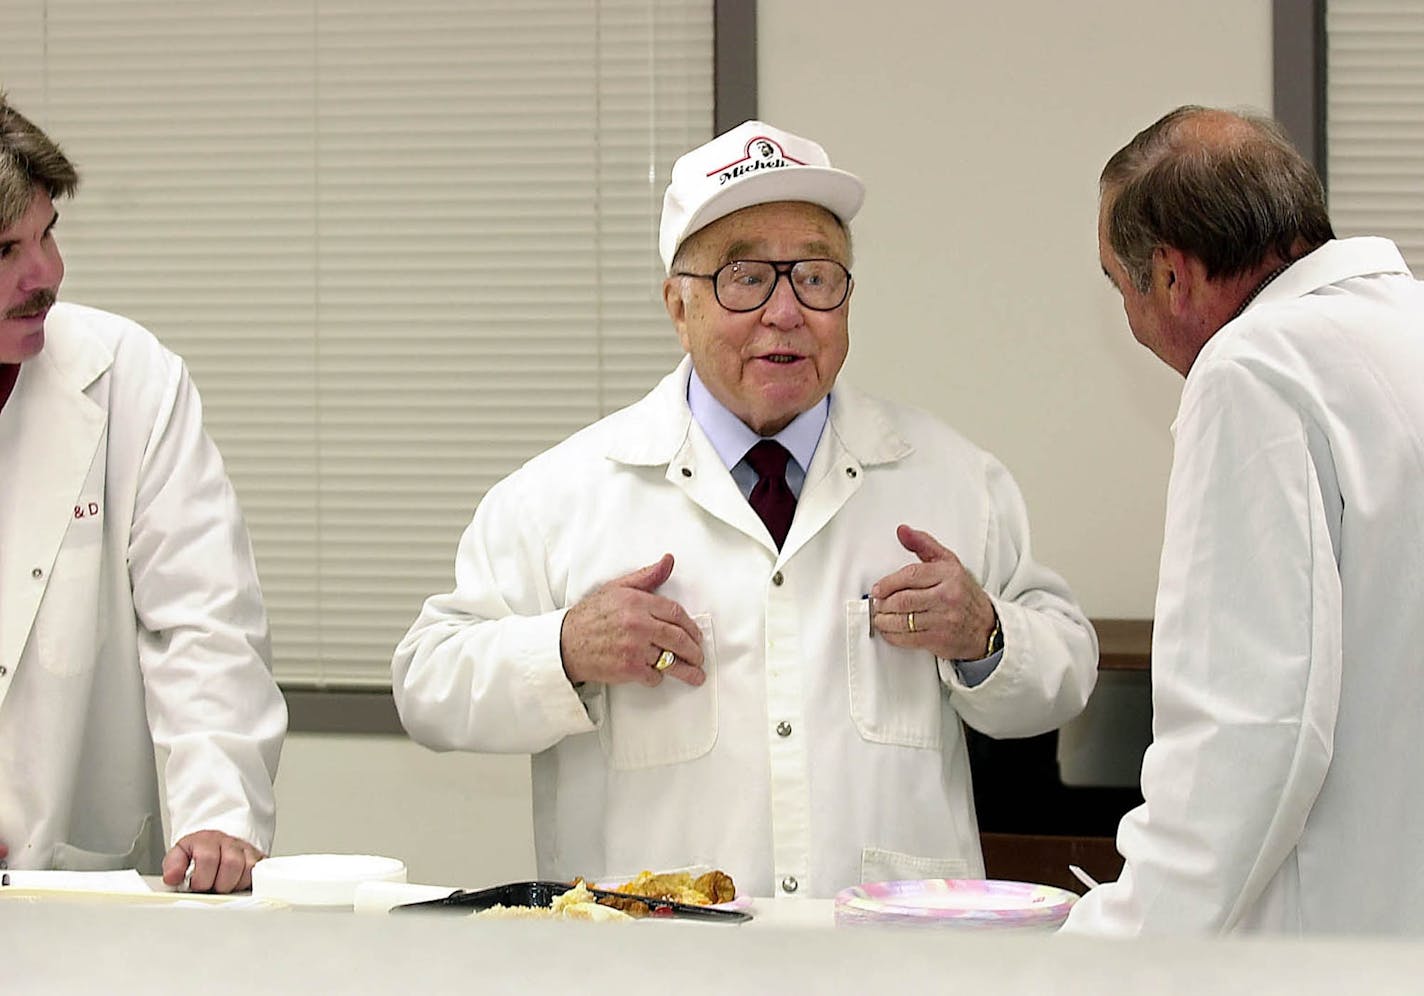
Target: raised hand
[[617, 633], [933, 605]]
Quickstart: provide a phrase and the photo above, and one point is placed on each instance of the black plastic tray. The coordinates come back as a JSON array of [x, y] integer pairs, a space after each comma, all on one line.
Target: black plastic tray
[[542, 894]]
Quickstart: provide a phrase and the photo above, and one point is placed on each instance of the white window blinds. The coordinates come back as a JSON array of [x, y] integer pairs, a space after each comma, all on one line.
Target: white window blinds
[[1375, 121], [402, 246]]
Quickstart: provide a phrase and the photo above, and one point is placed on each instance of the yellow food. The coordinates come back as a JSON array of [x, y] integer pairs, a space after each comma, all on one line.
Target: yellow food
[[576, 904], [517, 913], [680, 887], [717, 886]]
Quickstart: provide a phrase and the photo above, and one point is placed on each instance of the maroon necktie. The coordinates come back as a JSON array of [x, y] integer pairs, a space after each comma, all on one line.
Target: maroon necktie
[[771, 496]]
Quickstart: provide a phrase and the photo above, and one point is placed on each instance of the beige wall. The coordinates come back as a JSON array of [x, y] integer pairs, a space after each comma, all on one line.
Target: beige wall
[[979, 129]]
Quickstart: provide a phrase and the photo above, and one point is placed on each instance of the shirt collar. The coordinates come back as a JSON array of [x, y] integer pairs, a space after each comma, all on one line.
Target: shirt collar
[[731, 437]]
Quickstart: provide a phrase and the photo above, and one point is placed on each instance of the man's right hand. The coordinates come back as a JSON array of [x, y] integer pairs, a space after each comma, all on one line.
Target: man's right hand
[[616, 634]]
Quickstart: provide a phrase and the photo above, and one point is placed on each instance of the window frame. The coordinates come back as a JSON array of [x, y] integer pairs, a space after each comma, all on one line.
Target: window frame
[[1298, 76]]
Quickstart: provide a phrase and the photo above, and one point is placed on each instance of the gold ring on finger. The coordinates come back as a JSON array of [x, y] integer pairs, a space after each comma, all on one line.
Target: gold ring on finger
[[911, 620], [665, 660]]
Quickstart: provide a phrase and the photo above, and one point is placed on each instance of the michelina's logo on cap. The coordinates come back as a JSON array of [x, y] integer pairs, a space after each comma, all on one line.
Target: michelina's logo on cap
[[762, 153]]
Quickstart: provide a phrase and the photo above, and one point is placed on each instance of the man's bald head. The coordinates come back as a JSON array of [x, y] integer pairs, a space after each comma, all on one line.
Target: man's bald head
[[1226, 188]]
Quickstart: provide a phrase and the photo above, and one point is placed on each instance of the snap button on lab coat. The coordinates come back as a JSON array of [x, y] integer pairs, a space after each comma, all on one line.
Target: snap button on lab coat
[[789, 884], [4, 670], [686, 471], [850, 472], [37, 573], [776, 579], [783, 729]]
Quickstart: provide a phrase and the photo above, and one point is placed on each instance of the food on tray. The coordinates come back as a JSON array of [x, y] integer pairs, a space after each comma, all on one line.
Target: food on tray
[[632, 907], [717, 886], [576, 904], [680, 887]]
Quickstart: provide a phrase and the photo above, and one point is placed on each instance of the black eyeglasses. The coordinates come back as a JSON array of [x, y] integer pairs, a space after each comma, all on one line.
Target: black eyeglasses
[[747, 284]]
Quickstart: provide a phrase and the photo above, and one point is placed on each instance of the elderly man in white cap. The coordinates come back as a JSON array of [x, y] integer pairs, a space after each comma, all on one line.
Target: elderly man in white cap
[[740, 622]]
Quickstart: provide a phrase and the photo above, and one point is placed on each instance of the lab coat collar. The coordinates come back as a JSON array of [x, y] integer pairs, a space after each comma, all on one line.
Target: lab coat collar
[[52, 435], [1337, 260], [75, 357], [659, 431]]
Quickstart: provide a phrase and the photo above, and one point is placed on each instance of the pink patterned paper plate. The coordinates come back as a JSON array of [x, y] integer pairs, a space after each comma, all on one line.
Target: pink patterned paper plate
[[962, 903]]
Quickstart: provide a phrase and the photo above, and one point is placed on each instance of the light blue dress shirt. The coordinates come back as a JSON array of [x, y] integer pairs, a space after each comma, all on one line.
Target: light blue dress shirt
[[732, 438]]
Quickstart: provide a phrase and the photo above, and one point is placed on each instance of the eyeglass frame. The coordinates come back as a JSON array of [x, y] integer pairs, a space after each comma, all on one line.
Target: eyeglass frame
[[782, 268]]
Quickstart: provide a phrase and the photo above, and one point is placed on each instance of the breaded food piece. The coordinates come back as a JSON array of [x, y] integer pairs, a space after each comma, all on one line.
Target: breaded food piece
[[632, 907], [675, 887], [680, 887], [717, 886]]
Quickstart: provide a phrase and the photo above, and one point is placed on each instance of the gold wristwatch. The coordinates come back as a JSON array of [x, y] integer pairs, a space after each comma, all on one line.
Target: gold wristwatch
[[996, 638]]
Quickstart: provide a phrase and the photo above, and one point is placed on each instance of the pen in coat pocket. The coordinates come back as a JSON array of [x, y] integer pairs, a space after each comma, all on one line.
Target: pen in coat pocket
[[869, 615]]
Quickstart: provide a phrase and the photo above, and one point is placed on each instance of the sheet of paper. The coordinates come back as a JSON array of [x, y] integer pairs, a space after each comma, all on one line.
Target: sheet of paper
[[123, 882]]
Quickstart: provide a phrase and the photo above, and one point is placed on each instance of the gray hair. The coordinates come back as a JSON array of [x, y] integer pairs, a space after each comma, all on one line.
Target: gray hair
[[28, 158], [1229, 189]]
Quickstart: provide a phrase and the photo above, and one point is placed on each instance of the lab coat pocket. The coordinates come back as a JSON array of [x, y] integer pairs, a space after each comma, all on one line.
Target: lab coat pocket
[[67, 857], [674, 722], [894, 693], [880, 865], [64, 642]]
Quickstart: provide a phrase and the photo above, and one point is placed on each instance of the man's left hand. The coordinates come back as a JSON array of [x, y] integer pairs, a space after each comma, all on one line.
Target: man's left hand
[[953, 616], [220, 863]]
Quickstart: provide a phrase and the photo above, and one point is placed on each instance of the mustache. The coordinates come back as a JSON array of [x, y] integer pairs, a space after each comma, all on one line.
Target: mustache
[[34, 304]]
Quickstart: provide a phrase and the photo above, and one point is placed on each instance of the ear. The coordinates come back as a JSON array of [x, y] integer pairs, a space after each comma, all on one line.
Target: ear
[[1180, 276], [676, 305]]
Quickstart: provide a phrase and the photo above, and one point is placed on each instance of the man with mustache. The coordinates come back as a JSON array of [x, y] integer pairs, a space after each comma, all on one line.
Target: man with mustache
[[130, 614], [834, 584]]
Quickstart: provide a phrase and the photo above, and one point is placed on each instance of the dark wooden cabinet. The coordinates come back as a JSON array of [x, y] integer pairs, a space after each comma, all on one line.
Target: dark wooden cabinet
[[1032, 826], [1044, 858]]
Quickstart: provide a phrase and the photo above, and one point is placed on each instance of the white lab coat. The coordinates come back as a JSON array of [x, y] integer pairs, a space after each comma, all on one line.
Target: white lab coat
[[815, 756], [1284, 786], [130, 615]]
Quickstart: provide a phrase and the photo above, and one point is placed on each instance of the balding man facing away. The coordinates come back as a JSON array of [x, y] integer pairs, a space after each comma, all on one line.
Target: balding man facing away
[[1286, 773]]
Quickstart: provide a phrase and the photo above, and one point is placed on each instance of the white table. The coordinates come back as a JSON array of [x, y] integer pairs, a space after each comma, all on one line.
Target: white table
[[51, 948]]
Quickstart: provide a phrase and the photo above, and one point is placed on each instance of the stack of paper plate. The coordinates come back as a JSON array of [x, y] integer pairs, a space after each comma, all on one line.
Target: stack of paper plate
[[321, 879], [956, 903]]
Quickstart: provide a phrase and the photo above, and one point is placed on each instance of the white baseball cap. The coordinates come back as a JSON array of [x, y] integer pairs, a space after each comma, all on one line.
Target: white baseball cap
[[754, 163]]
